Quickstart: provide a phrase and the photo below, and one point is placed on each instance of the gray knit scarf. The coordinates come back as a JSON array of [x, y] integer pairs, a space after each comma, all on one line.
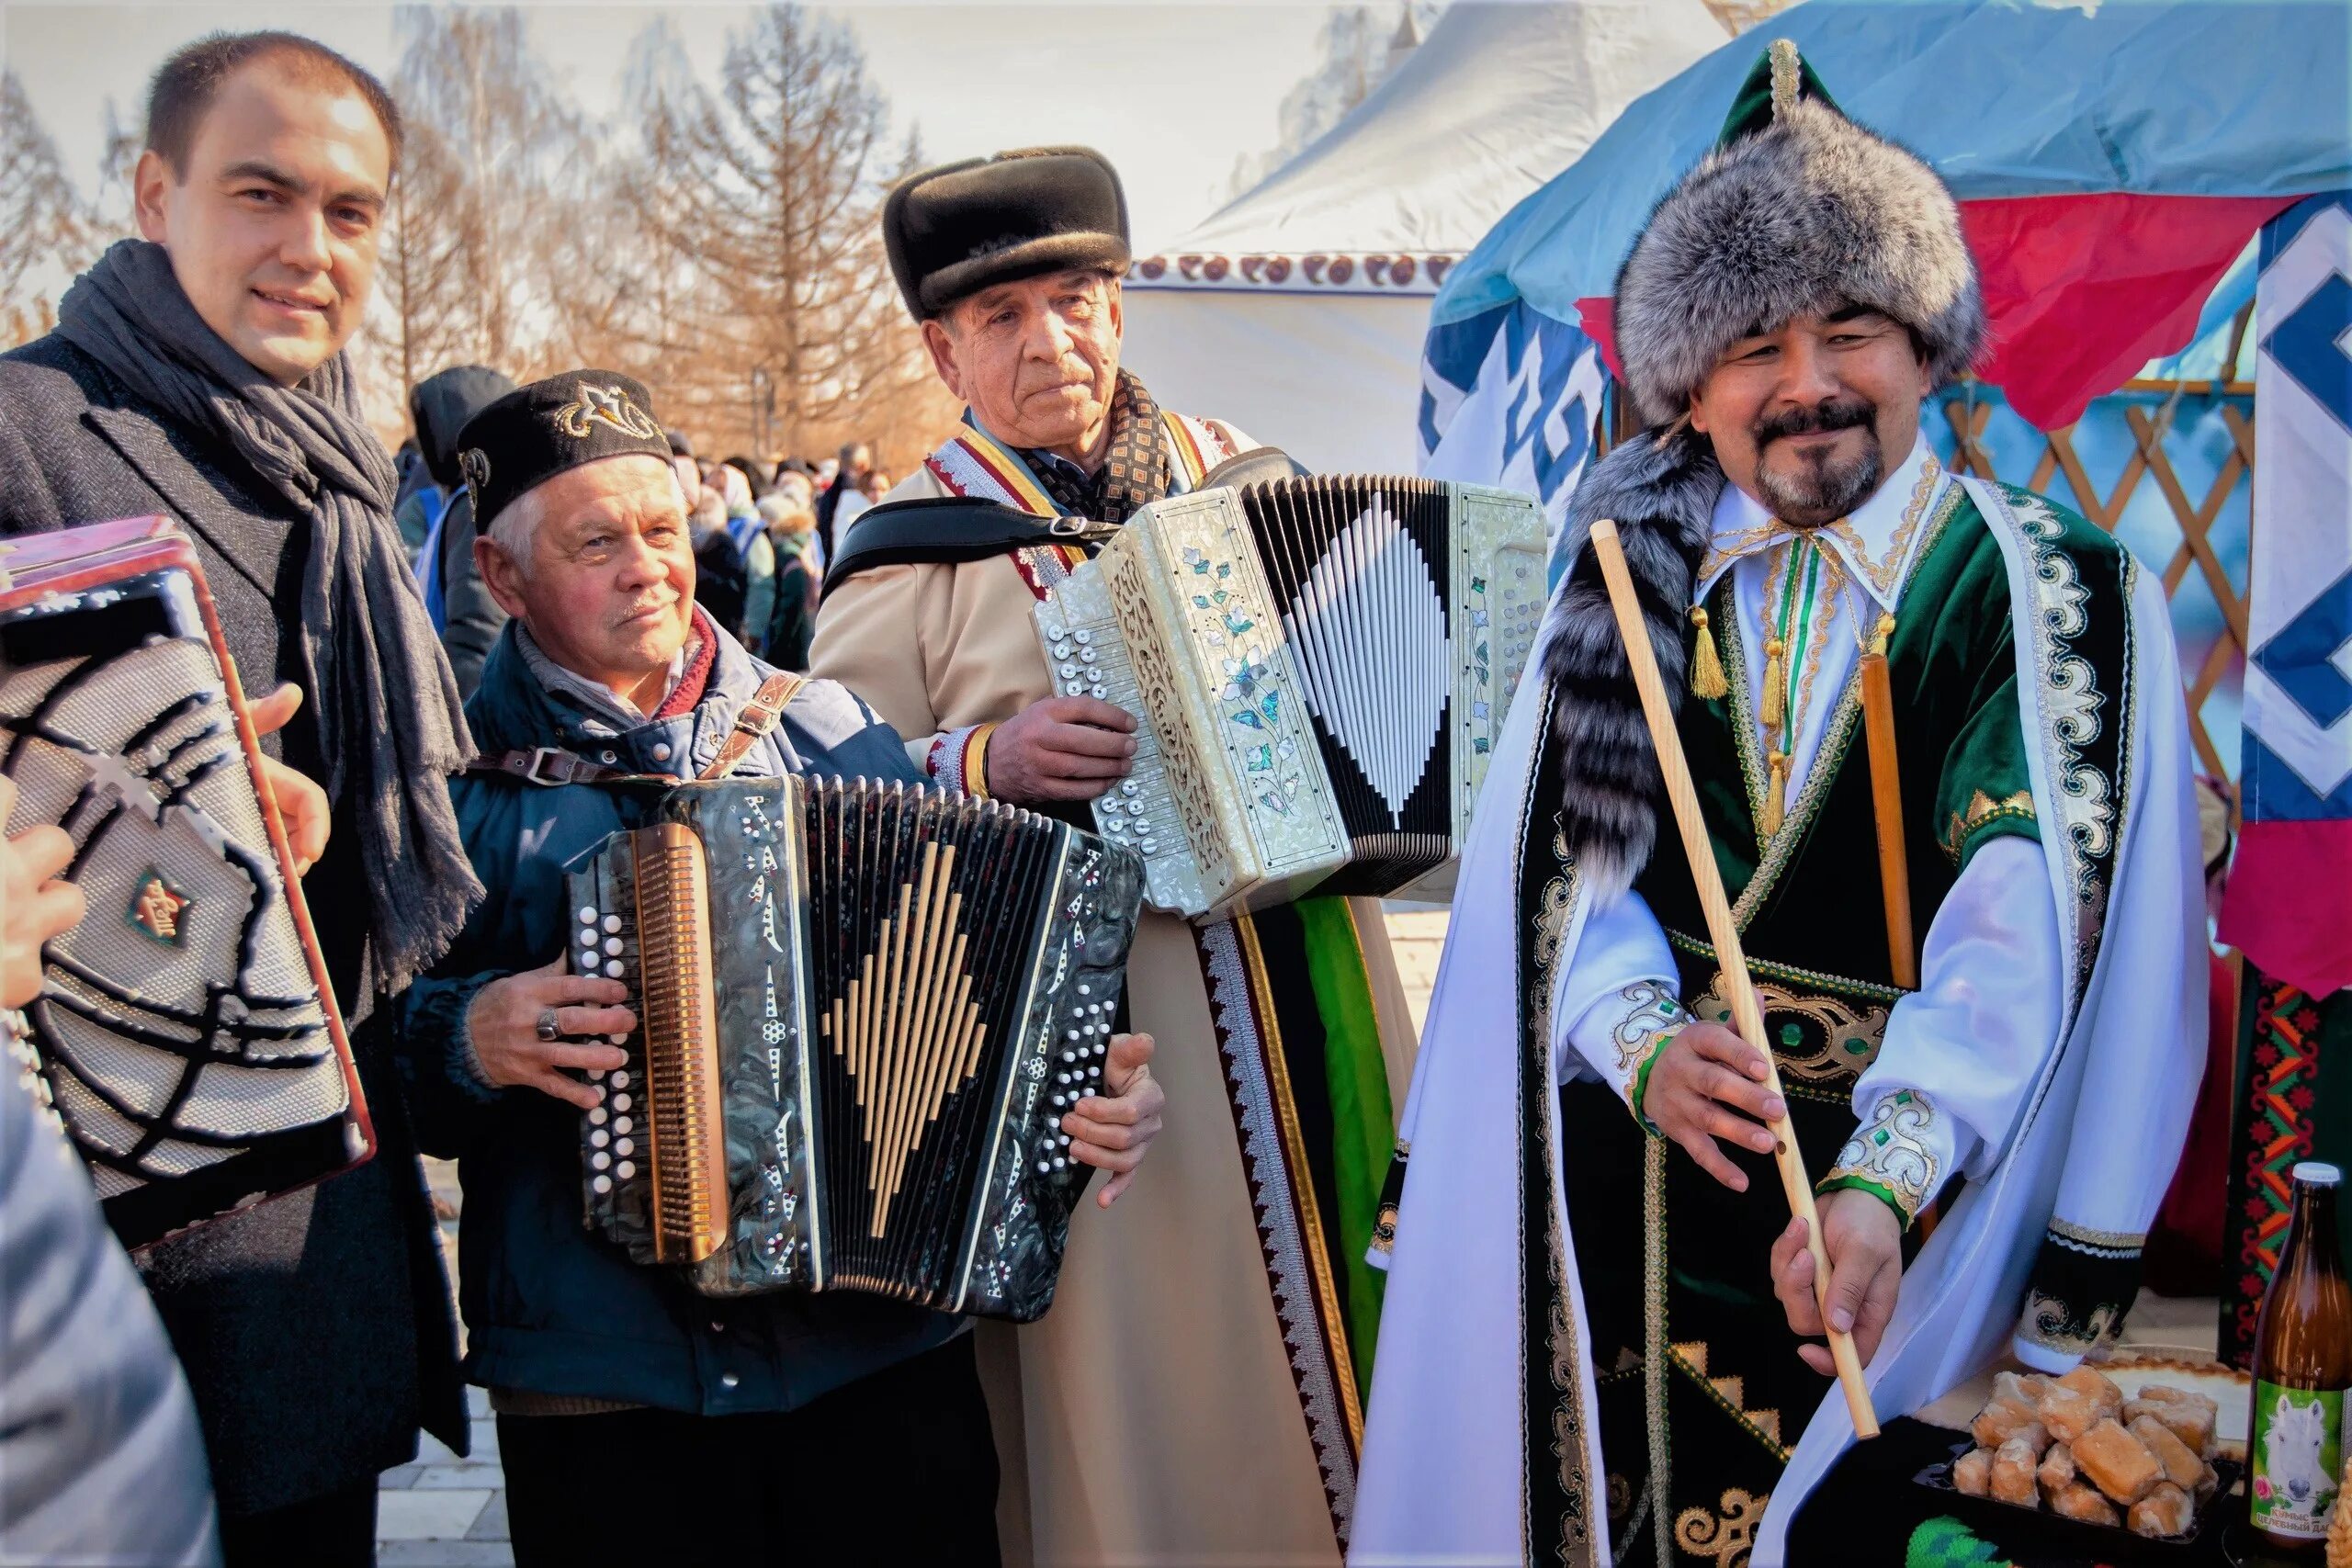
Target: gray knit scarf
[[390, 722]]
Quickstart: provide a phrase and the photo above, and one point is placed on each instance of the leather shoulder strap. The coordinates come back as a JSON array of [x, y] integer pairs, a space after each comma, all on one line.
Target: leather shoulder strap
[[759, 716], [949, 530]]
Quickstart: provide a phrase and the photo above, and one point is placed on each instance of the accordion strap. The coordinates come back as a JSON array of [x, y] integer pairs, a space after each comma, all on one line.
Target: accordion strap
[[759, 716], [551, 766], [950, 530]]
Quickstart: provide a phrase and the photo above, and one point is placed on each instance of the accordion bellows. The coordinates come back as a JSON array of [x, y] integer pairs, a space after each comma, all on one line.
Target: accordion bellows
[[862, 1010], [1321, 666], [186, 1034]]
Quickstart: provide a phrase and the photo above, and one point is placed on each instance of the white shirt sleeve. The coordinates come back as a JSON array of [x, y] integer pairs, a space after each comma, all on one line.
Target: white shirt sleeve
[[1616, 1000], [1962, 1052]]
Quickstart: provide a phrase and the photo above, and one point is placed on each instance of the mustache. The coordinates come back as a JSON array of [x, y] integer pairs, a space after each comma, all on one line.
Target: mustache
[[1837, 413]]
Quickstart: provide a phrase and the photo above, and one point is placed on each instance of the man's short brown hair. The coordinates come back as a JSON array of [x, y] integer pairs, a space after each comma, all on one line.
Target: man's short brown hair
[[185, 85]]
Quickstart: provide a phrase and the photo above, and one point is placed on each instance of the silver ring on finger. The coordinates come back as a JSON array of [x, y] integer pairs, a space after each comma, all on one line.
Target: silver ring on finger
[[548, 1028]]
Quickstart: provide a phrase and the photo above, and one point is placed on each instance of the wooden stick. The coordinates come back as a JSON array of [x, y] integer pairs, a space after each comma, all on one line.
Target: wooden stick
[[1725, 934], [1886, 802]]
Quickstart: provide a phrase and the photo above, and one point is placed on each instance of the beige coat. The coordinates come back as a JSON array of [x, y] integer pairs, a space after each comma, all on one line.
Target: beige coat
[[1150, 1418]]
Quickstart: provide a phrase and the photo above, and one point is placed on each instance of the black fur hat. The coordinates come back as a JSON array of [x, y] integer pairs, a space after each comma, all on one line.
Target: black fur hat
[[957, 228], [1797, 209]]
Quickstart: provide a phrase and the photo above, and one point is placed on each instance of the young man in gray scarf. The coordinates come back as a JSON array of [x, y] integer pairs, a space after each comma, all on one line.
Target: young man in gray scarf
[[200, 372]]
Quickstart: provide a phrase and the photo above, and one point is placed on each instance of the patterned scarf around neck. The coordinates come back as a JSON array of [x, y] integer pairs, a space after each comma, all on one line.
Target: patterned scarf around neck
[[1134, 473], [390, 722]]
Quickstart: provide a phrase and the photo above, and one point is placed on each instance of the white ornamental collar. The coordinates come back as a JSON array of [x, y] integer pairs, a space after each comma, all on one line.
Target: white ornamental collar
[[1875, 544]]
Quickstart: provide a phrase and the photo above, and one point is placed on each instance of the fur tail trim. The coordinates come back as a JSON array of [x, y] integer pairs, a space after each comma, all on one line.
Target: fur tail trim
[[1661, 493]]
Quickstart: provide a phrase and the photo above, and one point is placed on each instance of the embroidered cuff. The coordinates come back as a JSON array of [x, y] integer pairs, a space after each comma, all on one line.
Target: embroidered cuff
[[2084, 1281], [1892, 1153], [2013, 815], [1652, 1017], [959, 758]]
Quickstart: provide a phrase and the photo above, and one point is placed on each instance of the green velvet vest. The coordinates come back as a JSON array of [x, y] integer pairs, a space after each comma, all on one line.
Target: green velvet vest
[[1684, 1325]]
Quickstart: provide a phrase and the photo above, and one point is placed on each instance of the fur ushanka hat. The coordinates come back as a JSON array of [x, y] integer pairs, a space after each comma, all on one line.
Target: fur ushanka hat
[[1797, 209]]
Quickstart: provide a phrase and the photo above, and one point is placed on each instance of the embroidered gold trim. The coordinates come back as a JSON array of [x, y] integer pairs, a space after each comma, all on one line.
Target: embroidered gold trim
[[1775, 854], [1983, 809], [2107, 1241], [608, 406], [1851, 1037], [1654, 1355], [1726, 1536], [1556, 906], [1864, 990], [1889, 1151], [1731, 1392], [1886, 575]]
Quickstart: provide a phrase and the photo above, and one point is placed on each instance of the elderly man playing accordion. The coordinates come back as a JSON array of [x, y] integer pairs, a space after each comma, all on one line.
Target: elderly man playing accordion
[[604, 1371], [1220, 1297]]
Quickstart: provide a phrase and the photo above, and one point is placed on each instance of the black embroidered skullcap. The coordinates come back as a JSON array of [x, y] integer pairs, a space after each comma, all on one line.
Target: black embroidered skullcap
[[550, 427], [959, 228]]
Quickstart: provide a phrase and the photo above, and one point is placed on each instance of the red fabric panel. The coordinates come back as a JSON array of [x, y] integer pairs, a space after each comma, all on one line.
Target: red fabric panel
[[2284, 909], [2183, 1255], [2080, 290]]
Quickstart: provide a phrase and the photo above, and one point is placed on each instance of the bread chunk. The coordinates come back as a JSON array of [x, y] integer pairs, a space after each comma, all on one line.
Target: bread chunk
[[2012, 1406], [2057, 1472], [1972, 1472], [2167, 1511], [2081, 1500], [2182, 1468], [2191, 1416], [2014, 1465], [2117, 1462], [2074, 1404]]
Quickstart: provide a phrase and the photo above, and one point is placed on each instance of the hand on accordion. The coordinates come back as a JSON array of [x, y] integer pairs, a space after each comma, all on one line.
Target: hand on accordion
[[302, 804], [1059, 748], [502, 1026], [34, 905], [1111, 1132]]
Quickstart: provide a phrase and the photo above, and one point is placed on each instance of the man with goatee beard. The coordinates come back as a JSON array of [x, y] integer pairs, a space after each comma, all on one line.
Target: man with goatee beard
[[1601, 1331]]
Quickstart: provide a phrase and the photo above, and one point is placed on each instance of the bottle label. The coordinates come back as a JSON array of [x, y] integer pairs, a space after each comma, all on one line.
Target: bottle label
[[2298, 1453]]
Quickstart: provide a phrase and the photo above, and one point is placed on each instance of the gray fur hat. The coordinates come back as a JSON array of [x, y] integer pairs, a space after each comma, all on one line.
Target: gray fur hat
[[1797, 209]]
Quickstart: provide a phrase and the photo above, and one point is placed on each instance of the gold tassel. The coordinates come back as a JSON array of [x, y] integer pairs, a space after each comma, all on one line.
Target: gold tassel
[[1776, 683], [1707, 683], [1774, 787], [1878, 639]]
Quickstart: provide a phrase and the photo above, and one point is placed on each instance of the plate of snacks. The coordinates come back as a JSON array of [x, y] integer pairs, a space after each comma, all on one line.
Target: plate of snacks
[[2126, 1475]]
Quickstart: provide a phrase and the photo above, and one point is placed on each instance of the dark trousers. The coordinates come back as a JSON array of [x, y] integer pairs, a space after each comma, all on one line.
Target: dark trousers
[[897, 1468], [337, 1530]]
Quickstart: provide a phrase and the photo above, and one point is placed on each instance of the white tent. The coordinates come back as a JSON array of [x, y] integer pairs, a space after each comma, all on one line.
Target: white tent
[[1298, 310]]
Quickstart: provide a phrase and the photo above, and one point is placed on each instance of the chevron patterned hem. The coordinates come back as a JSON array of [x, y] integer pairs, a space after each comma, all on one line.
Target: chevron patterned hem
[[1690, 1357], [1324, 1397]]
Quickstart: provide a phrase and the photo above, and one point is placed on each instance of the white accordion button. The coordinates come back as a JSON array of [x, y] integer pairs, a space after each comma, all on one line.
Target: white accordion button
[[622, 1125], [1083, 636], [620, 1080], [603, 1184], [598, 1138], [618, 1039], [614, 968], [587, 914], [600, 1160], [624, 1170], [622, 1103], [596, 1116], [613, 946], [625, 1147], [612, 922]]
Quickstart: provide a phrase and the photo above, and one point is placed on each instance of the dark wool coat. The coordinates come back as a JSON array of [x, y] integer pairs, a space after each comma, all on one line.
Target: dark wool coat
[[317, 1331]]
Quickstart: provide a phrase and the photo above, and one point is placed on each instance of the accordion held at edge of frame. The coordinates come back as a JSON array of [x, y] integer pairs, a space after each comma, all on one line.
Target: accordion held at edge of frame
[[862, 1010], [185, 1034], [1320, 666]]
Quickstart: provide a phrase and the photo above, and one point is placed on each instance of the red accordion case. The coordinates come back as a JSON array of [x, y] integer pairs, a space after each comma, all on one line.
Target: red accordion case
[[187, 1035]]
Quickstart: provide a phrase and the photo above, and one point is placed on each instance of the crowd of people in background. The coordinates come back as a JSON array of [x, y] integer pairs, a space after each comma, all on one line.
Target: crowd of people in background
[[764, 528]]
